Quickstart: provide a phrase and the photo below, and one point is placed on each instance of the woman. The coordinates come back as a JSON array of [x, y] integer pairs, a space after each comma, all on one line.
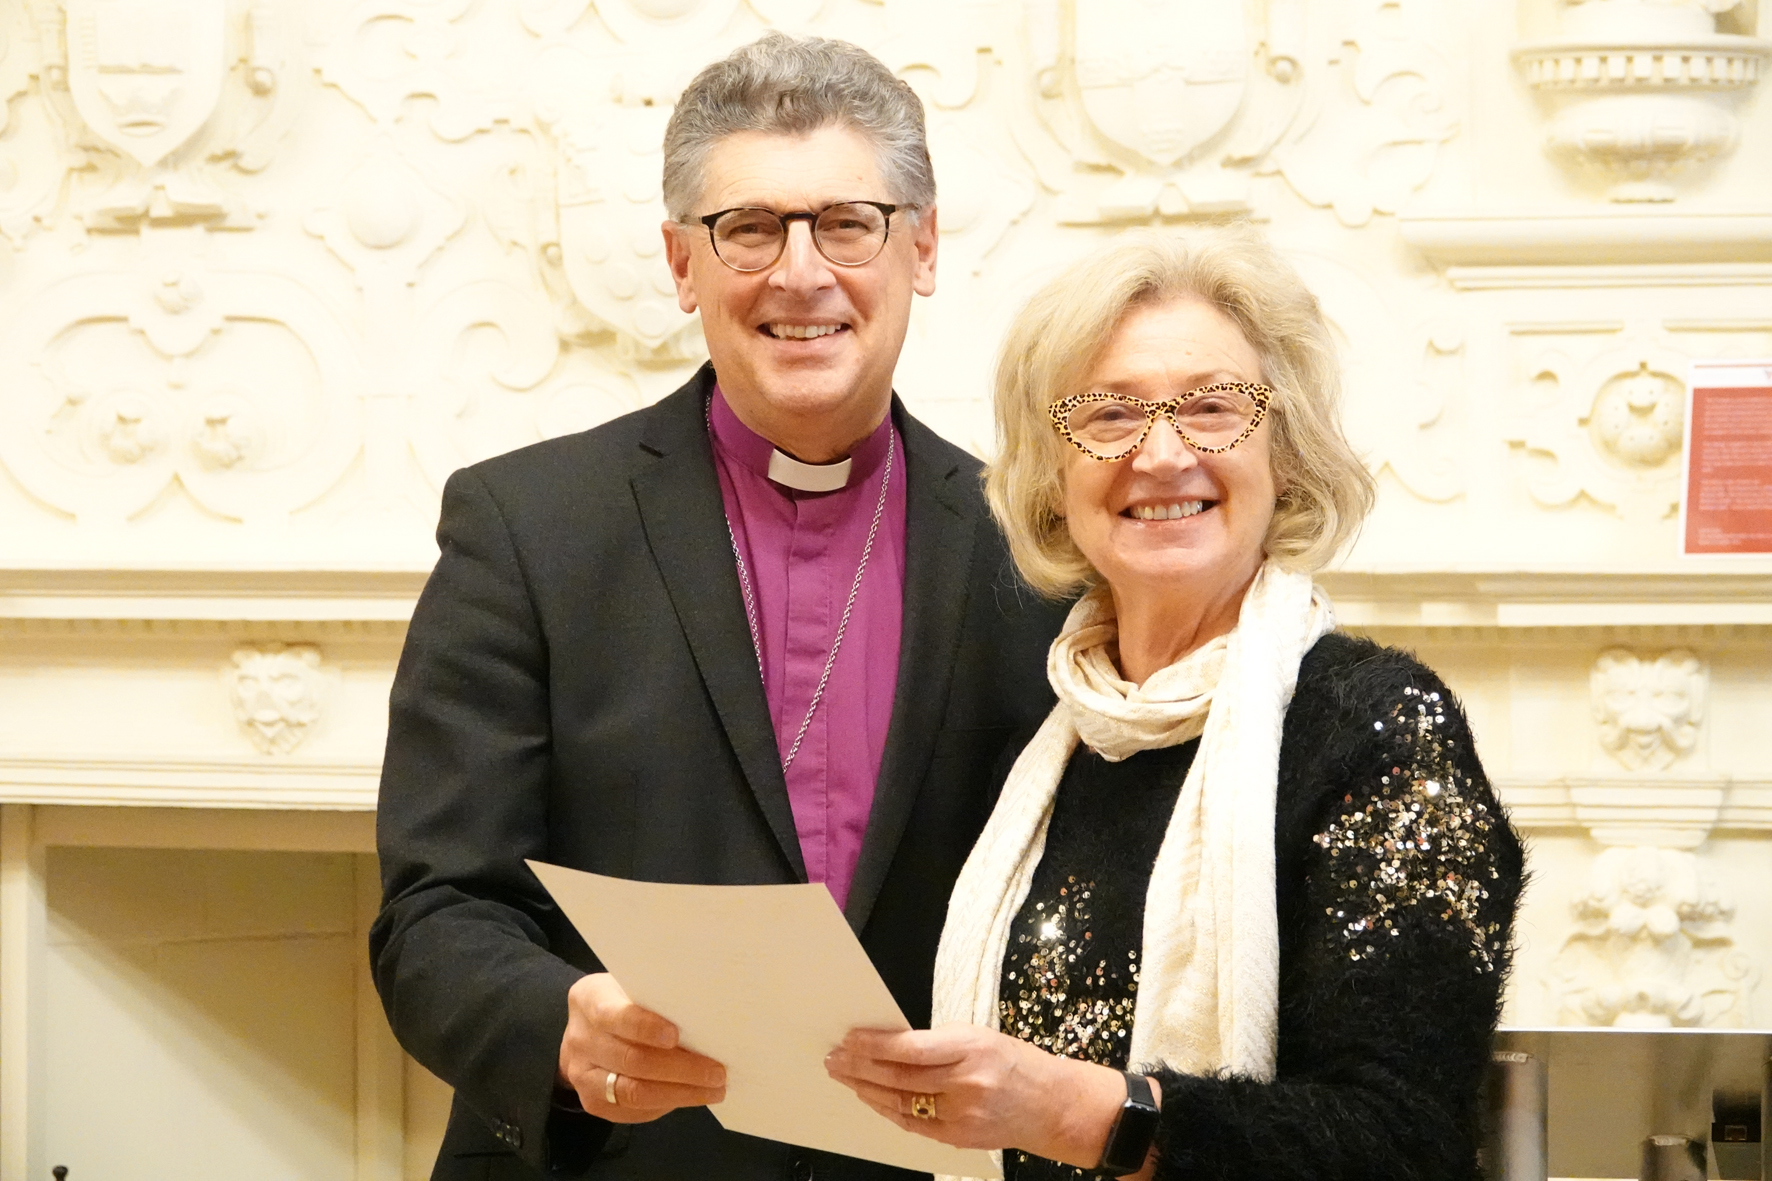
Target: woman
[[1248, 860]]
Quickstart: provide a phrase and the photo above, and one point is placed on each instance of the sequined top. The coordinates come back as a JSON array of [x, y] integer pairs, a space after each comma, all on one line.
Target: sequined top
[[1070, 974], [1396, 880]]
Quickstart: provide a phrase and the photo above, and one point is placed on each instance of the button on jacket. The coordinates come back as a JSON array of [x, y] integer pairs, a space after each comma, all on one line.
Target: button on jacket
[[579, 686]]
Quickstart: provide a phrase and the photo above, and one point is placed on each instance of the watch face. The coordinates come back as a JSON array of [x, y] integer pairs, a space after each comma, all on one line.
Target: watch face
[[1134, 1132]]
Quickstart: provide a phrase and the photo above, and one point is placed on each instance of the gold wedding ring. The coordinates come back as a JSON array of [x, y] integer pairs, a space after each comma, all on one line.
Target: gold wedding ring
[[923, 1106], [609, 1089]]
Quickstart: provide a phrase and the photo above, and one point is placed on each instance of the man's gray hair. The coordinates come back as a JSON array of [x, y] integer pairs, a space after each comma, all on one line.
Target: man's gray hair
[[786, 85]]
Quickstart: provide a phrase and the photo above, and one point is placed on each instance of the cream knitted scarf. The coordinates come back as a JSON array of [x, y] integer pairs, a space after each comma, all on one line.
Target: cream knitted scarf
[[1208, 988]]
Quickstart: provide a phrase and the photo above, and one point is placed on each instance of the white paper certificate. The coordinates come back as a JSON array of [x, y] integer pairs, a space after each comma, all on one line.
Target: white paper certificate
[[767, 980]]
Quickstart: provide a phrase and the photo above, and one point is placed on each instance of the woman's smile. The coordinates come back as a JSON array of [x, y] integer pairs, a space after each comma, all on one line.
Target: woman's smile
[[1166, 511]]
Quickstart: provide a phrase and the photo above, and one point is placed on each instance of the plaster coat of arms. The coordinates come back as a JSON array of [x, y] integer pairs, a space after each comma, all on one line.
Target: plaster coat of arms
[[1134, 109], [607, 157], [146, 74], [161, 101], [1161, 77]]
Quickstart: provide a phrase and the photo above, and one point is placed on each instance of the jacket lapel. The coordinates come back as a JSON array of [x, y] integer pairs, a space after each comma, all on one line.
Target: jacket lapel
[[940, 526], [678, 496]]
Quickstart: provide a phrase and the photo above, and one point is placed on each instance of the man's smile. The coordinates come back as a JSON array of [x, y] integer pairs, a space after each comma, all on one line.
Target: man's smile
[[782, 331]]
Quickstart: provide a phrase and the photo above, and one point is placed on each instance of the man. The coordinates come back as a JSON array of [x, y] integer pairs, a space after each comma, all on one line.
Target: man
[[763, 631]]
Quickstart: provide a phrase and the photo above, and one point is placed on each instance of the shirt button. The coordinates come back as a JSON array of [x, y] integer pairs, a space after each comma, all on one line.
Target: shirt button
[[802, 1170]]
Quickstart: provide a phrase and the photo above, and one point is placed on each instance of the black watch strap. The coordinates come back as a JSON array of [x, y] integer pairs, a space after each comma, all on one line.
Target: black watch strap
[[1134, 1131]]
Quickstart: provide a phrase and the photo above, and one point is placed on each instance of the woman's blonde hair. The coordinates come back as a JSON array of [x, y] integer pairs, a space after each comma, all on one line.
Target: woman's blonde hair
[[1325, 491]]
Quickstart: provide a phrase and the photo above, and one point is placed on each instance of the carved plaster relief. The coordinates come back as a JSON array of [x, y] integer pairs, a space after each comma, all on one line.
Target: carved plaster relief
[[1608, 427], [15, 60], [1141, 108], [1652, 947], [1642, 91], [1398, 409], [655, 24], [549, 18], [145, 74], [238, 387], [276, 692], [388, 51], [947, 42], [387, 221], [1648, 710], [161, 99], [475, 348], [605, 121]]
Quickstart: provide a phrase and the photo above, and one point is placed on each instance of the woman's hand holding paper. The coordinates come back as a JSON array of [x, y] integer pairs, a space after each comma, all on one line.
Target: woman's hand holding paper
[[989, 1090]]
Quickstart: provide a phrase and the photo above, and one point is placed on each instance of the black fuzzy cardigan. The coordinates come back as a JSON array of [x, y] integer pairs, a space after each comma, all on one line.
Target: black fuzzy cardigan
[[1397, 876]]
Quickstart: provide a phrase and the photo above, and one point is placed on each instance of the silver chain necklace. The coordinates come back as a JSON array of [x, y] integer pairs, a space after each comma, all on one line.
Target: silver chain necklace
[[750, 599]]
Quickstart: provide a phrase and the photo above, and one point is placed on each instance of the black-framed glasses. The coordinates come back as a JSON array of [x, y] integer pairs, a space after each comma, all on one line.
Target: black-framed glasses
[[849, 233], [1211, 419]]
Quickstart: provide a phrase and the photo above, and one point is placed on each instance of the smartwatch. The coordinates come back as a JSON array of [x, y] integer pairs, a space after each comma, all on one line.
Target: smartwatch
[[1134, 1130]]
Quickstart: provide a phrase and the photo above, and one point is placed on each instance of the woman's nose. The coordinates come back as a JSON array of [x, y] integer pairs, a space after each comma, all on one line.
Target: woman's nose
[[1164, 450]]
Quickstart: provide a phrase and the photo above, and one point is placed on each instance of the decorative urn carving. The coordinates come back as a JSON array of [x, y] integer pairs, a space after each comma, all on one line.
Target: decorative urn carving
[[1642, 90]]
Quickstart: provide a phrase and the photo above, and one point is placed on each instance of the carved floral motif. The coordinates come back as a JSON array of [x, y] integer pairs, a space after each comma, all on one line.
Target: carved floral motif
[[1611, 423], [276, 692], [1652, 947], [1638, 418]]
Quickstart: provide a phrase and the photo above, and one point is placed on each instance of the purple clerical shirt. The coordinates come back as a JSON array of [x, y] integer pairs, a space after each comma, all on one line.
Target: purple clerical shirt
[[801, 550]]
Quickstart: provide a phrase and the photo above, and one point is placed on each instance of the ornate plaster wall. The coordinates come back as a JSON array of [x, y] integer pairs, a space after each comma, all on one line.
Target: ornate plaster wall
[[271, 270]]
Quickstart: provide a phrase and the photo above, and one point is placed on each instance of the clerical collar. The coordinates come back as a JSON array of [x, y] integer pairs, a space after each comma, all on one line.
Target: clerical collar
[[784, 469], [739, 442]]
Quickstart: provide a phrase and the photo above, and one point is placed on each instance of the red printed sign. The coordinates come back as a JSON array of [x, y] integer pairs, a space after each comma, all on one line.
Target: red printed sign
[[1727, 507]]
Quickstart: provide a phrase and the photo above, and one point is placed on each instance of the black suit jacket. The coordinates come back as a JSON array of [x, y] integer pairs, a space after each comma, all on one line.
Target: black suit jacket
[[578, 686]]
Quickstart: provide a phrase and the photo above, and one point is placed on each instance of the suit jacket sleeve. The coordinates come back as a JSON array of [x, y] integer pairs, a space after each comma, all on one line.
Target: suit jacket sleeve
[[460, 951], [1391, 962]]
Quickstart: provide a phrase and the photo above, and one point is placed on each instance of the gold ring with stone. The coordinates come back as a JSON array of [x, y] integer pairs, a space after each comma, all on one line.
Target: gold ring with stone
[[923, 1106], [609, 1089]]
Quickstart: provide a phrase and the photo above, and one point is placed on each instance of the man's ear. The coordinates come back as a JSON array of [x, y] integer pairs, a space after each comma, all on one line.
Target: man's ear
[[676, 241], [926, 239]]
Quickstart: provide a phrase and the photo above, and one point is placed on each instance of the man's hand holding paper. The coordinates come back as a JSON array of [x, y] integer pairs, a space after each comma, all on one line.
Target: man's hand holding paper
[[624, 1062]]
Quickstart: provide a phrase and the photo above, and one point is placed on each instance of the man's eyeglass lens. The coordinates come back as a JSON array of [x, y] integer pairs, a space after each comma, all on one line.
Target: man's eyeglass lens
[[1211, 417], [849, 235]]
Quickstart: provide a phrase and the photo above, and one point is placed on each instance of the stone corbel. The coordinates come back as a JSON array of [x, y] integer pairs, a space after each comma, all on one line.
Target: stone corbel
[[1671, 813]]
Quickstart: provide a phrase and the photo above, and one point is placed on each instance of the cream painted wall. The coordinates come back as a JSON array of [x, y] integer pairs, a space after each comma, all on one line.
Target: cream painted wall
[[254, 311], [192, 995]]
